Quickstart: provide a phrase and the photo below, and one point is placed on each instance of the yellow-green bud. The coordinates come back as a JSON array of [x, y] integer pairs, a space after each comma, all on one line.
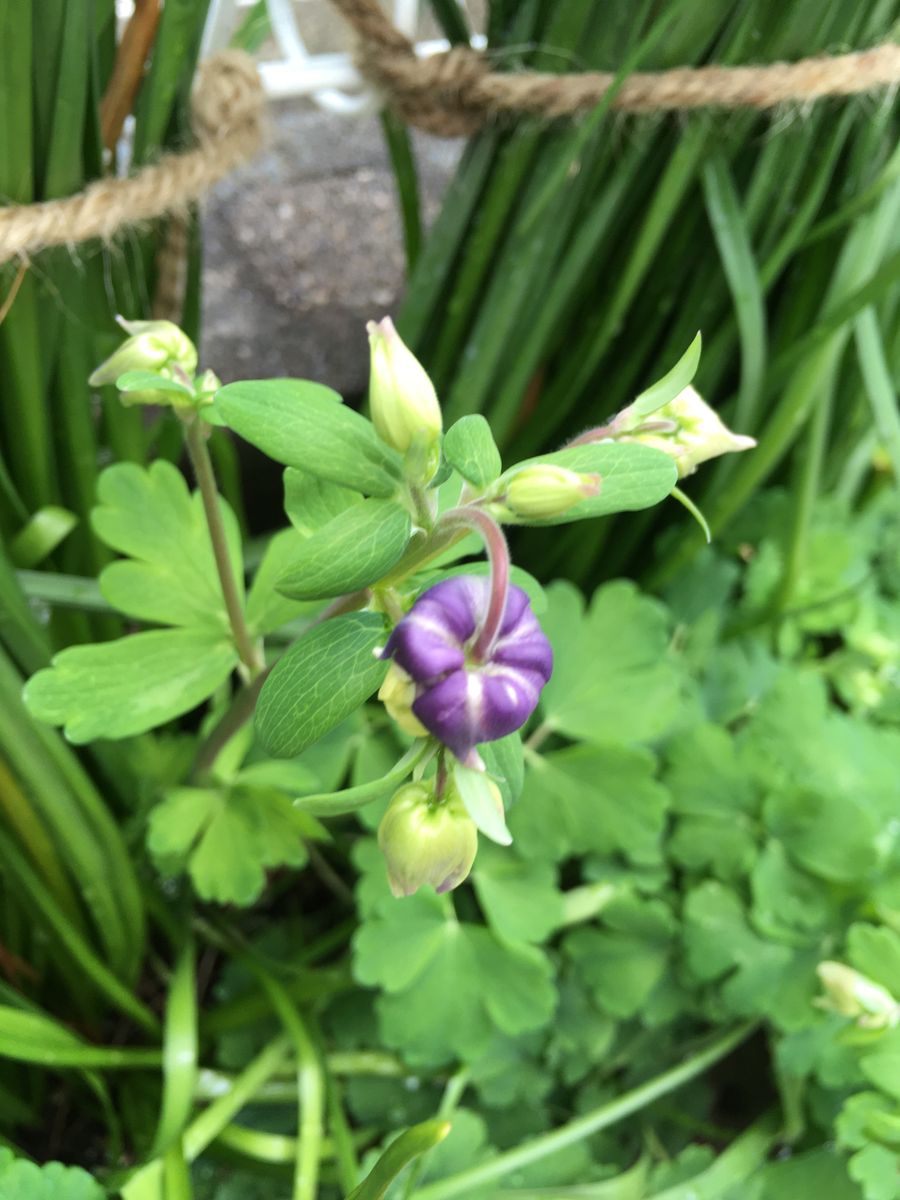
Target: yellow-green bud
[[854, 995], [397, 694], [695, 432], [402, 400], [545, 490], [151, 346], [425, 841]]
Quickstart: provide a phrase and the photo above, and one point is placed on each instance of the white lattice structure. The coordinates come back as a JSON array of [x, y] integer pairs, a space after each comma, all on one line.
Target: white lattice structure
[[330, 79]]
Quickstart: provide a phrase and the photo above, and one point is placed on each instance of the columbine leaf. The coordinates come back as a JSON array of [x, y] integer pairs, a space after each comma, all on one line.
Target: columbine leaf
[[305, 425], [631, 477], [150, 381], [170, 575], [227, 838], [354, 549], [267, 609], [324, 676], [116, 689], [613, 675], [311, 502], [584, 799], [430, 970], [520, 898], [470, 448], [23, 1180]]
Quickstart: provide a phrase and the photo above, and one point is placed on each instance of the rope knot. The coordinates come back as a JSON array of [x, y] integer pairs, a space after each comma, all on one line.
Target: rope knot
[[228, 98]]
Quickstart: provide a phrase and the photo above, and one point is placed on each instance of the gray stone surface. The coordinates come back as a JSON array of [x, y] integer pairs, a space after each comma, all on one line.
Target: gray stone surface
[[304, 245]]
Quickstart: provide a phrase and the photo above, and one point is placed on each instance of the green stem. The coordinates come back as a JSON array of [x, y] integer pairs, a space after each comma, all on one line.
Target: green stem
[[198, 451], [575, 1131], [207, 1127]]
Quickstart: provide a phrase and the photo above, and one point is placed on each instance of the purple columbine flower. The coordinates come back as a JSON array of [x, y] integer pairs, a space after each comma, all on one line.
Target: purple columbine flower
[[463, 696]]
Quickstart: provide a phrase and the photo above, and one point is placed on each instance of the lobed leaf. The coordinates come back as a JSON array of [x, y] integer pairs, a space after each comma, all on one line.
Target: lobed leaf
[[117, 689], [469, 448]]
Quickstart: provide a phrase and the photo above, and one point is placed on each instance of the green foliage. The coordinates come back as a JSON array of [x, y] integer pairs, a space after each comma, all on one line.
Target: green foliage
[[470, 449], [131, 685], [354, 549], [22, 1180], [323, 678], [304, 425]]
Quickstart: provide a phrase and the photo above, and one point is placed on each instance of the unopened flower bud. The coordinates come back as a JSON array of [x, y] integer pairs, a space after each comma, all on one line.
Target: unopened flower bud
[[398, 694], [426, 841], [695, 432], [151, 346], [545, 490], [403, 403], [851, 994]]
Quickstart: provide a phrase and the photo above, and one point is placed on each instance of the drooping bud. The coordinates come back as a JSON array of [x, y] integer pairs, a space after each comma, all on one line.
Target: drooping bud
[[402, 400], [426, 841], [151, 346], [852, 994], [460, 698], [398, 694], [687, 429], [545, 490]]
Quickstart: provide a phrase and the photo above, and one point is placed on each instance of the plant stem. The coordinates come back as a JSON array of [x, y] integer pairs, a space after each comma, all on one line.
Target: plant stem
[[498, 556], [206, 481], [575, 1131]]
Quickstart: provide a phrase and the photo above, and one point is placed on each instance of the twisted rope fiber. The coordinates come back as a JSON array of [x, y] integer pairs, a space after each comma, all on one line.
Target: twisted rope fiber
[[456, 92], [227, 113]]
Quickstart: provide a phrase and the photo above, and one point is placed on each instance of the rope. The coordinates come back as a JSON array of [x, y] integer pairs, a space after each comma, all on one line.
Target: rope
[[227, 116], [454, 93]]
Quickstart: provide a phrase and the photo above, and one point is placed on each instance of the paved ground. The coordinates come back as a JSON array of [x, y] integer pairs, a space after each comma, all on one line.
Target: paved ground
[[304, 245]]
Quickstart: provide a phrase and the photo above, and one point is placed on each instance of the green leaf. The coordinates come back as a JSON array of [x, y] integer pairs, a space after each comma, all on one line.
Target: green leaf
[[354, 549], [117, 689], [519, 898], [672, 383], [632, 477], [323, 678], [875, 951], [41, 535], [311, 502], [470, 448], [481, 804], [179, 1052], [430, 969], [267, 609], [170, 575], [828, 835], [305, 425], [411, 1144], [227, 838], [23, 1180], [613, 675], [622, 963], [585, 799]]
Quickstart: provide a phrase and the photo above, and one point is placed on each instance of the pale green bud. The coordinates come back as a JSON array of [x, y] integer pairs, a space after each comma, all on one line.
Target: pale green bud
[[152, 346], [692, 432], [397, 694], [206, 386], [545, 490], [425, 841], [402, 400], [854, 995]]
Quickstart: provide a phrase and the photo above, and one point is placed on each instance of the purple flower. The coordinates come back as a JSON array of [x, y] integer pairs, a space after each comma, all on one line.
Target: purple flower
[[461, 698]]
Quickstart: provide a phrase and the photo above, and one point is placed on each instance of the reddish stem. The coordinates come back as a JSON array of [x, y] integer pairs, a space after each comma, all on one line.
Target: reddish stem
[[498, 557]]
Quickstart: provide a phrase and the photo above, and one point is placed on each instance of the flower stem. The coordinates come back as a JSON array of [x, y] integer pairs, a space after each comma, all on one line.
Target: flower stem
[[206, 481], [498, 556], [502, 1165]]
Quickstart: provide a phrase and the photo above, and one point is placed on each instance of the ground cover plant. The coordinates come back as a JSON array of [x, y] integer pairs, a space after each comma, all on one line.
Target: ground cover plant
[[629, 930]]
